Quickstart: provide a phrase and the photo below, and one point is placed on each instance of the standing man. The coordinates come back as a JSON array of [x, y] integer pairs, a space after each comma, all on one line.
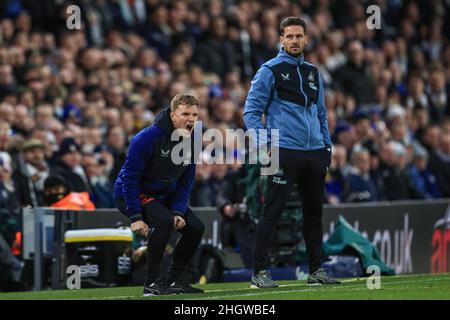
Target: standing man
[[288, 91], [153, 191]]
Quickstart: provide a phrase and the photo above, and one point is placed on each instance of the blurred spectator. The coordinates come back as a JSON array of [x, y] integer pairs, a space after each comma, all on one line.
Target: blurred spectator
[[9, 203], [423, 180], [116, 142], [237, 228], [102, 189], [439, 100], [360, 187], [443, 155], [130, 57], [202, 194], [57, 194], [215, 53], [335, 182], [69, 166], [353, 76], [30, 175], [397, 183]]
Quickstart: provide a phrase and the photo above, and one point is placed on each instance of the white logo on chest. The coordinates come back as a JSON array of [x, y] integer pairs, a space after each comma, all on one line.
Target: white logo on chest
[[285, 76]]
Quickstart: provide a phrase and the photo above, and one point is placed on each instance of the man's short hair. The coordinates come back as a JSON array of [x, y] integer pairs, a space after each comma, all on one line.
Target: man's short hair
[[185, 99], [292, 21]]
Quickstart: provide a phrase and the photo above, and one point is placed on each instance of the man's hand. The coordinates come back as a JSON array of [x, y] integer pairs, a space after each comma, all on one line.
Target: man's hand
[[229, 211], [178, 223], [140, 227]]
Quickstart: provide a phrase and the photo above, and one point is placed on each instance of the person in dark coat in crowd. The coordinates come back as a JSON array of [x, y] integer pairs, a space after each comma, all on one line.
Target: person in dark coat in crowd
[[397, 183], [353, 77], [236, 227], [437, 164], [69, 166], [30, 175], [360, 187], [421, 177]]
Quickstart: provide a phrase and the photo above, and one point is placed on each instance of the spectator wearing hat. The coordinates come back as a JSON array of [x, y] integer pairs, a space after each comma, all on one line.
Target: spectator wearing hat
[[30, 174], [68, 166], [363, 129], [71, 114], [345, 135], [57, 194]]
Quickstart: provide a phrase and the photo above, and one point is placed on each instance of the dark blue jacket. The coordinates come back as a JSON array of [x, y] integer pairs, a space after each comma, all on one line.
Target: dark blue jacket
[[425, 182], [149, 170], [360, 189]]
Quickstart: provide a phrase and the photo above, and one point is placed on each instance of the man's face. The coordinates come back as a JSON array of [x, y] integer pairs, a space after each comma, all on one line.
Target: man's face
[[363, 162], [72, 159], [294, 40], [34, 156], [184, 117], [54, 194]]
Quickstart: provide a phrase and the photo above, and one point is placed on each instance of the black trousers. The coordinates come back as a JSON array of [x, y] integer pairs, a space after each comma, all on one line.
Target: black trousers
[[308, 169], [160, 221]]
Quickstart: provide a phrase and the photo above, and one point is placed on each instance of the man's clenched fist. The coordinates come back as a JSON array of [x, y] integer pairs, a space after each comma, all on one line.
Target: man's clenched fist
[[140, 227]]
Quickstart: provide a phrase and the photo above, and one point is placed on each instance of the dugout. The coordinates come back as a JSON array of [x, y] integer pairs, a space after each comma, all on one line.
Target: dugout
[[102, 255]]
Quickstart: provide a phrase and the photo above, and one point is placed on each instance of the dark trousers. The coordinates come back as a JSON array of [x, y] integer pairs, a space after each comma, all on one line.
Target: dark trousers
[[160, 221], [308, 169]]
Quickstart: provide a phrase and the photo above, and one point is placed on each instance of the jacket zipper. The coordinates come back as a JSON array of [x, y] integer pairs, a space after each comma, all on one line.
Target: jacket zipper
[[306, 104]]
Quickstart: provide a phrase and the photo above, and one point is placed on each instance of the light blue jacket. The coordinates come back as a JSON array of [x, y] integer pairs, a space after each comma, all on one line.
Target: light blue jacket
[[289, 92]]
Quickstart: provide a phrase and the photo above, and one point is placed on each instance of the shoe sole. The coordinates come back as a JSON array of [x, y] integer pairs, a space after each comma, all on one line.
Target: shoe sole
[[314, 284], [150, 294], [255, 286], [179, 291], [322, 284]]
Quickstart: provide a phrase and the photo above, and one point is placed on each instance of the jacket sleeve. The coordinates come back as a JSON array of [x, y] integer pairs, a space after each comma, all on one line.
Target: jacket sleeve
[[180, 197], [322, 113], [140, 151], [258, 100]]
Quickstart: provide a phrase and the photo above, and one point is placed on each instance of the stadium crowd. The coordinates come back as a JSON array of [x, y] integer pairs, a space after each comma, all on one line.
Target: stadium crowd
[[71, 100]]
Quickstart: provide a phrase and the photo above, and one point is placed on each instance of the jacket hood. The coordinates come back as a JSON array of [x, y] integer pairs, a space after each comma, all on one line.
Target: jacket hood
[[282, 54], [163, 120]]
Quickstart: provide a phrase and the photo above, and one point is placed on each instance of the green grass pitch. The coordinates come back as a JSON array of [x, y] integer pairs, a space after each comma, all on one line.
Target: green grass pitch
[[435, 286]]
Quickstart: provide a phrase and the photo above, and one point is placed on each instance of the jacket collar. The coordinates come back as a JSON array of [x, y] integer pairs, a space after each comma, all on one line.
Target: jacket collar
[[163, 121], [290, 59]]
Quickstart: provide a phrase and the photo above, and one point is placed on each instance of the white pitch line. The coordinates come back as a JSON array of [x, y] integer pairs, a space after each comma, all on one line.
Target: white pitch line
[[329, 288]]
